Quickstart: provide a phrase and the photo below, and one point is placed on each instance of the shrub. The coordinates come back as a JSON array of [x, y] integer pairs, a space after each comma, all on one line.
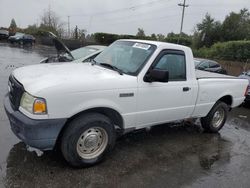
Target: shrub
[[231, 50]]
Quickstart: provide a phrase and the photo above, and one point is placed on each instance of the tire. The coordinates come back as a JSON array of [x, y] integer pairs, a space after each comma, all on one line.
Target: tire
[[91, 131], [216, 118]]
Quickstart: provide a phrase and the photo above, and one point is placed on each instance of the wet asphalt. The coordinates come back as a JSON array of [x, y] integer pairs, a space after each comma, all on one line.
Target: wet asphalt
[[179, 155]]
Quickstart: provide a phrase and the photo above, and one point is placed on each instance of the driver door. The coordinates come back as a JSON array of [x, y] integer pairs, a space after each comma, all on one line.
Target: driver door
[[160, 102]]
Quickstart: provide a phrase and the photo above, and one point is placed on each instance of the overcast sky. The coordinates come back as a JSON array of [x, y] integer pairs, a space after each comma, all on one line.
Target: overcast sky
[[119, 16]]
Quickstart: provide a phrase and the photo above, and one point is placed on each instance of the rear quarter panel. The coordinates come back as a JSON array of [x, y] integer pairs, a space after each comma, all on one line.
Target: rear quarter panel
[[212, 89]]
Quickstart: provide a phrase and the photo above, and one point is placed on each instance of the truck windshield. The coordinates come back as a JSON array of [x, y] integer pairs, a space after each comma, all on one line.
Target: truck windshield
[[127, 56]]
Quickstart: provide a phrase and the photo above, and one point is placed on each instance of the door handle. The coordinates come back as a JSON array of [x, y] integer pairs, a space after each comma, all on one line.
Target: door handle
[[186, 89]]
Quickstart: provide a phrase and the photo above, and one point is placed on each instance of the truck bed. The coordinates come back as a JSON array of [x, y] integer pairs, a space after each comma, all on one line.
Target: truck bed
[[213, 86], [205, 74]]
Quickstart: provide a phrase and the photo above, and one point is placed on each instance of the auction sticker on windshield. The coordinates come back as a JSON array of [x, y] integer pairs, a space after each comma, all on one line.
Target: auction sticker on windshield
[[141, 46]]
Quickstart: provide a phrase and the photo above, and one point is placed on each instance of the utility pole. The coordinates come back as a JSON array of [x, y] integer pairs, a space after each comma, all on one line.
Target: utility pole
[[183, 5], [68, 27], [49, 15]]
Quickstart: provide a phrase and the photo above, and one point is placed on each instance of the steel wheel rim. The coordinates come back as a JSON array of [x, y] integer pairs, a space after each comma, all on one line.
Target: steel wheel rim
[[92, 143], [218, 117]]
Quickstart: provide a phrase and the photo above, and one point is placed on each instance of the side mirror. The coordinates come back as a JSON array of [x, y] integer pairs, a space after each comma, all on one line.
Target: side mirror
[[155, 75]]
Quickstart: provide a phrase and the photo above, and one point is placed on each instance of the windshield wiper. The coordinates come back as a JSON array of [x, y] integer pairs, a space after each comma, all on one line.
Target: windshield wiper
[[112, 67]]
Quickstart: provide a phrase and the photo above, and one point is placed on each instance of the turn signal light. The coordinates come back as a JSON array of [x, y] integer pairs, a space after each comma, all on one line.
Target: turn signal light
[[39, 106]]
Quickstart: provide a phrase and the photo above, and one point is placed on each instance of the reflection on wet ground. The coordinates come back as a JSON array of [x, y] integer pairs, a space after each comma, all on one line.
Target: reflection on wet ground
[[166, 156], [12, 57]]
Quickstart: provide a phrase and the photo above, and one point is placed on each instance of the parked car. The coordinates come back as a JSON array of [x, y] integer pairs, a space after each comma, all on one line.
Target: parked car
[[209, 65], [22, 38], [246, 75], [132, 84], [4, 34], [84, 54]]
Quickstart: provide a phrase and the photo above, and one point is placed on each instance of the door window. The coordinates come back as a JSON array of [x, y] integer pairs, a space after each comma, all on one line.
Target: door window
[[175, 64]]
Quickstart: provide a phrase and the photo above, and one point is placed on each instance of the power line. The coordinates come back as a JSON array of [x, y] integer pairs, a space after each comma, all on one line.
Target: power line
[[137, 15], [217, 5], [130, 8], [140, 20], [183, 5], [163, 17], [136, 19]]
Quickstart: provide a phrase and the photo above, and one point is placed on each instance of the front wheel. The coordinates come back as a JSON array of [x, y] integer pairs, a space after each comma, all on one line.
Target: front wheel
[[216, 118], [87, 139]]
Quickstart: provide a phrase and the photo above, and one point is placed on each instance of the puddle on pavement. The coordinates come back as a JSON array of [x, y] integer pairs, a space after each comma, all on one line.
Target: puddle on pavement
[[12, 57]]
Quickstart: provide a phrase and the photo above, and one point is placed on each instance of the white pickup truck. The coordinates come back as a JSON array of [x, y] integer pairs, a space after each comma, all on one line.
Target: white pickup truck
[[132, 84]]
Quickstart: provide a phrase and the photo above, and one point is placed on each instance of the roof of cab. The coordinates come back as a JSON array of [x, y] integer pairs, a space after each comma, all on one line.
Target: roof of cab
[[158, 43]]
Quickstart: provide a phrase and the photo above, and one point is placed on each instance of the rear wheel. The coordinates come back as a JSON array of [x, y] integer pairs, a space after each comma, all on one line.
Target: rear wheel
[[87, 139], [216, 118]]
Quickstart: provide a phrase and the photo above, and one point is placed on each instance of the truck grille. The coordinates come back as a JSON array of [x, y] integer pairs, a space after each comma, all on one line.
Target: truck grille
[[15, 92]]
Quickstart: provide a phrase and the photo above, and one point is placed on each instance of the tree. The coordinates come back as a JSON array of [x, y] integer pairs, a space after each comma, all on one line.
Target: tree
[[82, 33], [207, 32], [90, 38], [51, 22], [76, 32], [140, 33], [153, 36], [13, 26], [236, 26], [160, 37], [13, 23]]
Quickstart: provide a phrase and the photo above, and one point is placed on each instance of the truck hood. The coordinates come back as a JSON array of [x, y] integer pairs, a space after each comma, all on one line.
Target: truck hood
[[71, 77], [59, 45]]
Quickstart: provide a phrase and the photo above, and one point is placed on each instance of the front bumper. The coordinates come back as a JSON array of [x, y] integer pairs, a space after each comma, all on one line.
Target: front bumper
[[41, 134]]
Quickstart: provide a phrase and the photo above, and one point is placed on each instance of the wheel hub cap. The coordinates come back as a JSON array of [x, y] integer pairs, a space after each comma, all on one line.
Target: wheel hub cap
[[218, 118], [92, 142]]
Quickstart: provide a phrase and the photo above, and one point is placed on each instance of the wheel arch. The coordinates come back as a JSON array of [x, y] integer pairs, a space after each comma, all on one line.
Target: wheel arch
[[112, 114], [228, 99]]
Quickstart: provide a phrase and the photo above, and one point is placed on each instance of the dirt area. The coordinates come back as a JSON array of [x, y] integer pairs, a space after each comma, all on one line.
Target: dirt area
[[235, 68]]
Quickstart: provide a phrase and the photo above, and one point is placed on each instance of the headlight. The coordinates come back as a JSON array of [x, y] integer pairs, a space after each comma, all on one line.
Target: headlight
[[32, 104]]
